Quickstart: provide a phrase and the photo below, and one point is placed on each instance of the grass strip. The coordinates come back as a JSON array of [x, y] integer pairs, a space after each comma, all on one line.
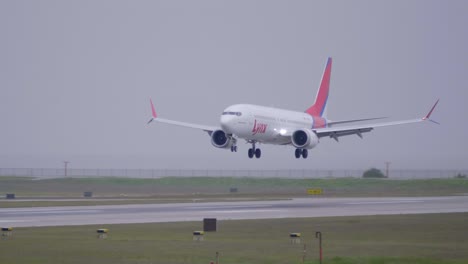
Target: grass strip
[[396, 239]]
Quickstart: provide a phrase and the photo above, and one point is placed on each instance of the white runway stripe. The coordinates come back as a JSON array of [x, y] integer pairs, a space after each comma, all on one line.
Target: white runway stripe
[[386, 202], [52, 212]]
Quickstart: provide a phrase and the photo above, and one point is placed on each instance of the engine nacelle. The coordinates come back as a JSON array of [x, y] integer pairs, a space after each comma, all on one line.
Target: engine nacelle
[[220, 139], [304, 139]]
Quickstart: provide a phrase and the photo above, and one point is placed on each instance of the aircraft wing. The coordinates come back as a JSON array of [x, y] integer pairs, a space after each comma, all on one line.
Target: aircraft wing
[[155, 118], [339, 131], [332, 123]]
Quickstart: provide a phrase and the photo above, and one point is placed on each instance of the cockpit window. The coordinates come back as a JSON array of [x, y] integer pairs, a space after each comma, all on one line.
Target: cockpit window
[[232, 113]]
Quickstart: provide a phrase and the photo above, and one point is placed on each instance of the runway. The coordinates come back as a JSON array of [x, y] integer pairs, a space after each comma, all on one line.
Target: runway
[[300, 207]]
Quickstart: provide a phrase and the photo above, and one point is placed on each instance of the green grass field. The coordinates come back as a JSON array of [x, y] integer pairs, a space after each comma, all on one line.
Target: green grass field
[[432, 238], [177, 189]]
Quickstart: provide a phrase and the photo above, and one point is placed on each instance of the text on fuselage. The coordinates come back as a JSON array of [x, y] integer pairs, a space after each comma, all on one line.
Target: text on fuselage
[[259, 128]]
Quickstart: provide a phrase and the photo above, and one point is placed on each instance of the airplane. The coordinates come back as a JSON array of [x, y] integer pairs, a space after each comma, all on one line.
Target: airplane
[[267, 125]]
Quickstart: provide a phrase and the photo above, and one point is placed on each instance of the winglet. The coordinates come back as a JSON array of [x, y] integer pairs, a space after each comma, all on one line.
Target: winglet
[[153, 112], [427, 117]]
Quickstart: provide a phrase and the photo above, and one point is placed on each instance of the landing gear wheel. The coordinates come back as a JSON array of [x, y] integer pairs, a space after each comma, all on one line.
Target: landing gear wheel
[[251, 153], [258, 153], [305, 153], [298, 153], [233, 148]]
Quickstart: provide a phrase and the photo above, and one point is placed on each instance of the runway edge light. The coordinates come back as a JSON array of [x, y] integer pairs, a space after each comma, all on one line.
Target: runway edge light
[[7, 231], [198, 235], [295, 238], [103, 230], [102, 233]]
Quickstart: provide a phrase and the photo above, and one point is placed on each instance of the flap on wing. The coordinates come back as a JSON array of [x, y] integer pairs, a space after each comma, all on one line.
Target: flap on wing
[[332, 123], [335, 134]]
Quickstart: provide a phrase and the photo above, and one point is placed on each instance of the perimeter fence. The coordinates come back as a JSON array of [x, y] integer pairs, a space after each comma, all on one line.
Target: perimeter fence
[[45, 173]]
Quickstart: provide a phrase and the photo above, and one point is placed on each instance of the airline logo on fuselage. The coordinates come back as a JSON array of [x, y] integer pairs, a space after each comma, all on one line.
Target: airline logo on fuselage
[[259, 128]]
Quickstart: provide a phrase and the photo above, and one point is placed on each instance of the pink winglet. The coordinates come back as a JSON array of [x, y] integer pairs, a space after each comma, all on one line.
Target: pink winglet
[[432, 109], [153, 110]]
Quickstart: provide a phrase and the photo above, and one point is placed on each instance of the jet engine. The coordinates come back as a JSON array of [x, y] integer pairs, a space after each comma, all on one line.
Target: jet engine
[[220, 139], [304, 139]]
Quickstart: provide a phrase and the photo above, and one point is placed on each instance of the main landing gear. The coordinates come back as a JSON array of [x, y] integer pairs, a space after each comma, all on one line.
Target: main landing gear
[[254, 151], [301, 152]]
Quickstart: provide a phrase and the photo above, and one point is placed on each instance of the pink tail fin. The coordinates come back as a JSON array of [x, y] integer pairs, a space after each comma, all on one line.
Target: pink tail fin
[[319, 107]]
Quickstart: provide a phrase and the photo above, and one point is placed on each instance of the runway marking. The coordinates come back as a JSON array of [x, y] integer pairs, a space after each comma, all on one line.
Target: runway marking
[[244, 211], [53, 212], [388, 202], [13, 220], [39, 209], [228, 206]]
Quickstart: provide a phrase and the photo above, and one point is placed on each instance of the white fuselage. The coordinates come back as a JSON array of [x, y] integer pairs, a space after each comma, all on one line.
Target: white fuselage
[[263, 124]]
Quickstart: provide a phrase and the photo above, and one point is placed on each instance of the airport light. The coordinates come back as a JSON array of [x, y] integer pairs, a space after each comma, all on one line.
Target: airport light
[[387, 168], [102, 233], [295, 238], [318, 235], [7, 232], [216, 258], [198, 235], [66, 167], [304, 252]]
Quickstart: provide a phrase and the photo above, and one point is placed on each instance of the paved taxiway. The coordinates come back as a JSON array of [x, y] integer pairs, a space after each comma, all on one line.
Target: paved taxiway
[[301, 207]]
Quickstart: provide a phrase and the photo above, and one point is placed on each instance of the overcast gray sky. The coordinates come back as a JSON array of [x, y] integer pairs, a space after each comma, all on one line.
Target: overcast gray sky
[[76, 78]]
